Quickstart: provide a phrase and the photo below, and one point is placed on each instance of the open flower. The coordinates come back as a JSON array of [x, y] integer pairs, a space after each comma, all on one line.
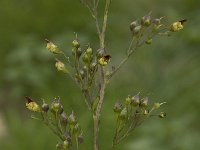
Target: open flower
[[104, 60], [176, 26], [32, 105]]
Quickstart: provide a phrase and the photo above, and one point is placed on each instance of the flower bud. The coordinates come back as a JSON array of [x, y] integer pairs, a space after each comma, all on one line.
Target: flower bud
[[85, 58], [75, 44], [117, 107], [157, 105], [144, 102], [56, 106], [89, 51], [45, 107], [123, 114], [135, 100], [72, 119], [146, 20], [133, 25], [79, 52], [128, 100], [63, 118], [157, 21], [60, 66], [52, 47], [146, 112], [65, 145], [137, 30], [149, 41], [162, 115]]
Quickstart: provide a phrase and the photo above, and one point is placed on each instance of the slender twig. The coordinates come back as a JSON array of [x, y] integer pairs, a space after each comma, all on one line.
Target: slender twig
[[97, 3], [102, 83], [97, 113], [77, 144], [105, 19]]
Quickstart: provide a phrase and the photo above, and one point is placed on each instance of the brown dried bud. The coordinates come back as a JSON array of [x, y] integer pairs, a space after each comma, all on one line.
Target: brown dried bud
[[146, 20], [117, 107], [45, 107], [135, 100], [162, 115], [144, 102], [72, 119]]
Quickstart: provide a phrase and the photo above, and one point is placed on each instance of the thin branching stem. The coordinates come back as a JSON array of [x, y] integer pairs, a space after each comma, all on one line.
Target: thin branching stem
[[101, 34], [105, 20]]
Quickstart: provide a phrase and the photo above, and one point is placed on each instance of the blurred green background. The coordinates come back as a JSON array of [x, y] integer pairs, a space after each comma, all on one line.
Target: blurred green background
[[168, 70]]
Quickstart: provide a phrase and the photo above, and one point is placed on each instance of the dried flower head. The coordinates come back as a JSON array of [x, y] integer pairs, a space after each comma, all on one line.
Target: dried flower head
[[60, 66], [52, 47]]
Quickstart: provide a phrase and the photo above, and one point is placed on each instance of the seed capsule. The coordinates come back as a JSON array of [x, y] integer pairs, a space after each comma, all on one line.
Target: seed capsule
[[75, 44], [146, 20], [117, 107], [135, 100], [162, 115], [133, 25]]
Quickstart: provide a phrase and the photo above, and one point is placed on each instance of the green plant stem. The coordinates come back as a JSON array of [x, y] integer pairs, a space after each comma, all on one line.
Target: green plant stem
[[97, 113], [131, 50], [77, 145], [105, 19]]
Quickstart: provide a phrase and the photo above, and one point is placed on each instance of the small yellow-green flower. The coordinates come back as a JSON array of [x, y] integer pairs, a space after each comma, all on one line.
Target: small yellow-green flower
[[32, 106], [52, 47], [60, 66], [104, 60], [176, 26]]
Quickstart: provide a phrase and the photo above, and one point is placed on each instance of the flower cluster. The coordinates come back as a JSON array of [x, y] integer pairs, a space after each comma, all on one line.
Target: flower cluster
[[65, 127], [131, 114], [88, 67], [147, 28]]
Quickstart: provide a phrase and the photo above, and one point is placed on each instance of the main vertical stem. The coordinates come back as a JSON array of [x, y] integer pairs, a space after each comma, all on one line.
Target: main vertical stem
[[97, 113]]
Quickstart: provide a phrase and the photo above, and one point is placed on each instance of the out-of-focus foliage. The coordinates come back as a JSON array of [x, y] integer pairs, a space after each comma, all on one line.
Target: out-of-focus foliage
[[168, 70]]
